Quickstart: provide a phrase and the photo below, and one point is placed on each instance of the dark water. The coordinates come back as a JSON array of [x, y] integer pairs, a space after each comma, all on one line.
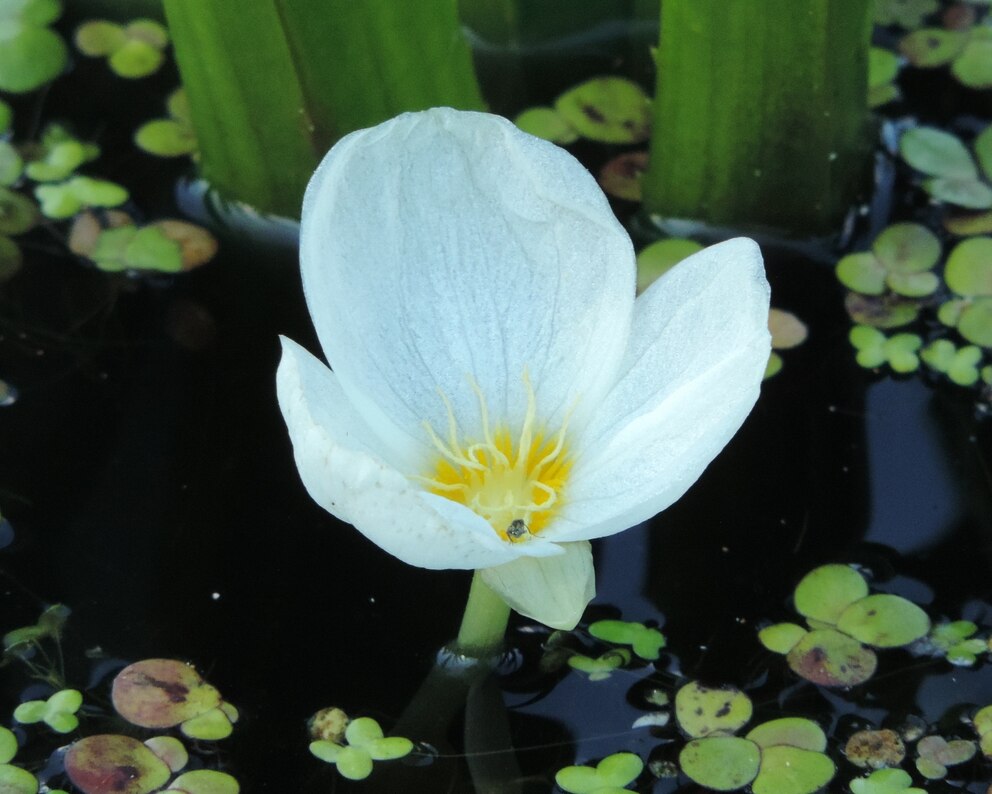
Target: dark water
[[149, 480]]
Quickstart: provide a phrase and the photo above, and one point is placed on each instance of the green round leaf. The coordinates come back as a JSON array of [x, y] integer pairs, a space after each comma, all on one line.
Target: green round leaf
[[968, 270], [211, 726], [205, 781], [937, 153], [660, 257], [975, 322], [886, 311], [31, 12], [791, 731], [150, 249], [862, 272], [161, 693], [913, 285], [11, 164], [973, 67], [607, 109], [66, 700], [326, 750], [389, 747], [964, 368], [8, 745], [578, 780], [829, 658], [62, 721], [884, 621], [170, 750], [165, 138], [29, 57], [619, 769], [932, 46], [354, 763], [148, 31], [907, 248], [721, 763], [97, 192], [14, 780], [31, 711], [546, 123], [825, 592], [782, 637], [908, 14], [983, 150], [792, 770], [99, 38], [900, 351], [885, 781], [362, 731], [702, 710], [883, 66], [939, 355], [135, 59], [966, 192]]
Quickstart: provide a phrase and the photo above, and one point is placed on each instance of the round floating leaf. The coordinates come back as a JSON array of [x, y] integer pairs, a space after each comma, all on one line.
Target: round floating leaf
[[935, 754], [887, 311], [968, 224], [883, 66], [885, 781], [825, 592], [97, 192], [829, 658], [170, 750], [782, 637], [969, 267], [136, 59], [702, 710], [102, 763], [611, 774], [875, 749], [204, 781], [774, 365], [148, 31], [11, 164], [212, 726], [151, 249], [932, 46], [787, 330], [60, 161], [884, 621], [29, 56], [939, 355], [31, 711], [646, 642], [913, 285], [790, 731], [963, 371], [607, 109], [8, 745], [160, 693], [621, 176], [792, 770], [721, 763], [660, 257], [973, 67], [11, 260], [975, 322], [389, 748], [31, 12], [950, 312], [14, 780], [18, 214], [862, 272], [165, 138], [546, 123], [870, 344], [99, 38], [966, 192], [983, 721], [907, 248], [937, 153], [354, 763], [983, 150]]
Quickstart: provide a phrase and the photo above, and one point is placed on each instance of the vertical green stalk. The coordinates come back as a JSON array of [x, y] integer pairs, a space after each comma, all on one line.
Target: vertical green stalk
[[272, 84], [484, 623], [760, 116]]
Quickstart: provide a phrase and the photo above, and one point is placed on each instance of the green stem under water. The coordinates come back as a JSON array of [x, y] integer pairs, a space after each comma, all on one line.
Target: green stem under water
[[484, 623]]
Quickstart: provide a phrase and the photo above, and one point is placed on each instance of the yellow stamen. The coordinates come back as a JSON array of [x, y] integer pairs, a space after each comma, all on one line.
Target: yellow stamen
[[515, 487]]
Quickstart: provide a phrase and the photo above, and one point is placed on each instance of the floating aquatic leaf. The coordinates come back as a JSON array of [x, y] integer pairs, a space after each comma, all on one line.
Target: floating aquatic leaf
[[211, 726], [621, 176], [969, 267], [170, 750], [18, 214], [830, 658], [792, 770], [904, 13], [646, 642], [61, 160], [791, 731], [130, 248], [875, 349], [973, 67], [935, 754], [607, 109], [547, 123], [703, 711], [960, 365], [774, 365], [885, 781], [14, 780], [883, 67], [721, 763], [8, 745], [11, 164], [30, 55], [366, 744], [197, 246], [161, 693], [937, 153], [825, 592], [136, 59], [884, 621], [66, 199], [613, 773], [99, 38], [886, 311], [660, 257], [932, 47], [171, 137], [58, 712], [203, 781], [132, 51], [600, 668], [900, 259], [875, 749], [968, 224], [787, 330], [781, 637], [104, 763]]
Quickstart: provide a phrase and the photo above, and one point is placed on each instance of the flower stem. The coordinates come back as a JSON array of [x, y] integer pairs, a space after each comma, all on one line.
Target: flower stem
[[484, 623]]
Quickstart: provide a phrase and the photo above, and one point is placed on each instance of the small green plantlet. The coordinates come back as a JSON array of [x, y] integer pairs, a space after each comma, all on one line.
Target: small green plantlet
[[600, 668], [132, 51], [58, 712], [546, 123], [67, 198], [883, 68], [969, 52], [953, 175], [31, 54], [876, 349], [935, 754], [171, 137], [131, 248], [607, 109], [11, 165], [365, 744], [969, 275], [957, 642], [661, 256], [901, 260], [611, 775], [18, 214], [885, 781], [959, 365], [646, 642]]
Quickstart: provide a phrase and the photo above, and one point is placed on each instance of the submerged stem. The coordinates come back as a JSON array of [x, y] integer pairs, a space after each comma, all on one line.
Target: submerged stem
[[484, 623]]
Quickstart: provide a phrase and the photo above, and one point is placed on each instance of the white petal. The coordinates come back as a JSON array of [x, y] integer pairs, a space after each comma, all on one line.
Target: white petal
[[344, 467], [445, 245], [698, 350], [551, 590]]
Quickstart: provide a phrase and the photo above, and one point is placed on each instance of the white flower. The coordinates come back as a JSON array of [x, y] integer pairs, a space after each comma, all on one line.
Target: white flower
[[498, 397]]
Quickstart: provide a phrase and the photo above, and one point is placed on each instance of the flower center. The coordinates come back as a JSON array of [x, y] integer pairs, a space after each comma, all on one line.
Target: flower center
[[515, 484]]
